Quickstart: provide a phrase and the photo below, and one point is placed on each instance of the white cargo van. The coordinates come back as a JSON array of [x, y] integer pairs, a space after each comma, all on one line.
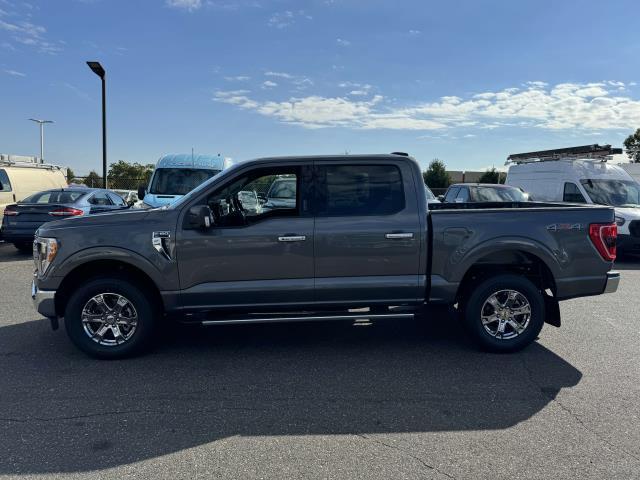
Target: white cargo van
[[21, 177], [581, 175]]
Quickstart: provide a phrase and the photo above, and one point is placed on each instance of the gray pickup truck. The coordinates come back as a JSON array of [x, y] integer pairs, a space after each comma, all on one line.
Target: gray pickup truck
[[359, 241]]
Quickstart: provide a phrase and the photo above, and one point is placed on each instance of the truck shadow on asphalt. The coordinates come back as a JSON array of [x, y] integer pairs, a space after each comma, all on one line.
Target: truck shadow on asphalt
[[64, 412]]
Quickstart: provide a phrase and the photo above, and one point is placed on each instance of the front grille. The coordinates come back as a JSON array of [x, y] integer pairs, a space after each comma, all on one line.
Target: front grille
[[634, 228]]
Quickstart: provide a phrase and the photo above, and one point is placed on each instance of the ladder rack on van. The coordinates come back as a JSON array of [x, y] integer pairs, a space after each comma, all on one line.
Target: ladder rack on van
[[593, 152], [6, 161]]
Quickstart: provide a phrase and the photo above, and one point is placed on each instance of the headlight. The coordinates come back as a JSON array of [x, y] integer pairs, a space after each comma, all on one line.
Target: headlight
[[44, 251], [620, 221]]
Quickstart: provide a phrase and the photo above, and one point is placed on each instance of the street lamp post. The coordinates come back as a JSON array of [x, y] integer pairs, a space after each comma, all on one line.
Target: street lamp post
[[98, 70], [41, 123]]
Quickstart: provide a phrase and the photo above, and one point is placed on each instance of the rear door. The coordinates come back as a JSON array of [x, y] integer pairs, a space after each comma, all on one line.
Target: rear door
[[367, 233]]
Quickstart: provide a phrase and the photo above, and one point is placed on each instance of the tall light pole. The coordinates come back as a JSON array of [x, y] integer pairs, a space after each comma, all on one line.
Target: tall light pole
[[41, 123], [98, 70]]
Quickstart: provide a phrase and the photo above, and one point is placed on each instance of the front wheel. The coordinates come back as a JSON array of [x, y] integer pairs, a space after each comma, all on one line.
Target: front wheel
[[505, 313], [110, 318]]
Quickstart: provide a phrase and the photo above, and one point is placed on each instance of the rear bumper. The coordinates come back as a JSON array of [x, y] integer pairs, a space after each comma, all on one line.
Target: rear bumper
[[613, 280], [9, 235], [43, 301]]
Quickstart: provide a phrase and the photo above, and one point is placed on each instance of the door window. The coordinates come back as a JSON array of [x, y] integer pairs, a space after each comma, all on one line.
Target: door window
[[463, 195], [451, 194], [5, 185], [572, 194], [100, 199], [356, 190], [117, 200], [260, 194]]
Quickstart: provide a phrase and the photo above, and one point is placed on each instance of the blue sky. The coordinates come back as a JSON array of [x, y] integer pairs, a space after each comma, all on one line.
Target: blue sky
[[465, 81]]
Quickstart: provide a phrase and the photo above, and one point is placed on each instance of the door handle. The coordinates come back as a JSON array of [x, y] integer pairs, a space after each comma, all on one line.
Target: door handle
[[292, 238], [395, 236]]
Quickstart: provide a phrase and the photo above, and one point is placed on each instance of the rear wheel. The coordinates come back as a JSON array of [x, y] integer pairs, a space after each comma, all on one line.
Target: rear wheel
[[505, 313], [110, 318]]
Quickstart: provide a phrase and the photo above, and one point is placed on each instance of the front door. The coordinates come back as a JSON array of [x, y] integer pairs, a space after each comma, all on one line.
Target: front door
[[368, 234], [259, 251]]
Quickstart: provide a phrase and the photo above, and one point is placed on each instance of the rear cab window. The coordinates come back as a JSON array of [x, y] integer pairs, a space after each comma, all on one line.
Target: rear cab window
[[451, 194], [572, 193], [358, 190]]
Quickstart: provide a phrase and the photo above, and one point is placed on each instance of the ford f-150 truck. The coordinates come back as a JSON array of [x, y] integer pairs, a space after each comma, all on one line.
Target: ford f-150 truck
[[358, 241]]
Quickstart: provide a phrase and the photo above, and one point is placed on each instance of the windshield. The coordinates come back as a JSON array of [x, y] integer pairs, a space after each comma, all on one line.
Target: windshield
[[429, 193], [53, 196], [283, 189], [178, 181], [498, 194], [617, 193]]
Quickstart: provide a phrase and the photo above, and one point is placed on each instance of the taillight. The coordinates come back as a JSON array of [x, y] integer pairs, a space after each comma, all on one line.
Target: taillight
[[603, 236], [10, 212], [66, 212]]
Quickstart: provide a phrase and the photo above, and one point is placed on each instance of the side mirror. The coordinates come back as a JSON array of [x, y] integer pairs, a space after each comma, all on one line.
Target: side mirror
[[200, 217], [142, 190], [441, 198]]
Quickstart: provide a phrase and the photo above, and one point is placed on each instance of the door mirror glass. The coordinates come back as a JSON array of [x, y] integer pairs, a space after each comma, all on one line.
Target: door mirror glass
[[200, 217], [142, 190]]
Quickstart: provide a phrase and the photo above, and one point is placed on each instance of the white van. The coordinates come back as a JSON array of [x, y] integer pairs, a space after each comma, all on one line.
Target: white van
[[569, 178], [20, 179]]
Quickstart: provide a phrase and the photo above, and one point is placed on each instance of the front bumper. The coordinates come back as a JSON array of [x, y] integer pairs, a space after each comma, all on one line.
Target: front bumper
[[43, 301], [613, 280]]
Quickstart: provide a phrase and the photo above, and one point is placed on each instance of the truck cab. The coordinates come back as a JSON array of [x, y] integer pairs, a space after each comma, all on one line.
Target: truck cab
[[176, 175]]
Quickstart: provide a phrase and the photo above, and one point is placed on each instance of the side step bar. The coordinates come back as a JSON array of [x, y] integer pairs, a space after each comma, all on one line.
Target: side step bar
[[310, 318]]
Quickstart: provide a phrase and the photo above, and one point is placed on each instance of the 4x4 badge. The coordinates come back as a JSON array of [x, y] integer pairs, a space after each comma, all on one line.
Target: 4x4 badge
[[554, 227]]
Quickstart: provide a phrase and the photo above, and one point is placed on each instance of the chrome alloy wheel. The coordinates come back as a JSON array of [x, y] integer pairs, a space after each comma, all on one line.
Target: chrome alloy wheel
[[109, 319], [505, 314]]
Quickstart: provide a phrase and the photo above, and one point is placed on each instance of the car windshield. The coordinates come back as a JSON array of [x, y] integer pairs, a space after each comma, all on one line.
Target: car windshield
[[178, 181], [498, 194], [53, 196], [429, 193], [283, 189], [617, 193]]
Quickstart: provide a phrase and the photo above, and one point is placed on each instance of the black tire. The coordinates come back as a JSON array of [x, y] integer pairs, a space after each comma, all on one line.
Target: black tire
[[24, 247], [475, 307], [140, 300]]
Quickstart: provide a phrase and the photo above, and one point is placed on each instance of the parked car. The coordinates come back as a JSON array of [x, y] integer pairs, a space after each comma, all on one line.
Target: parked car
[[582, 175], [19, 179], [176, 175], [129, 196], [281, 194], [22, 219], [431, 198], [483, 192], [358, 234]]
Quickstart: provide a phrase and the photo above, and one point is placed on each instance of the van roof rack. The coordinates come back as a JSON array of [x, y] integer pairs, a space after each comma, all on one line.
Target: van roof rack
[[25, 162], [595, 152]]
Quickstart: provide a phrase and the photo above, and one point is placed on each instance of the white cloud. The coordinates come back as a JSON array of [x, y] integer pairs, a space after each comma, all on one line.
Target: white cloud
[[287, 18], [14, 73], [238, 78], [278, 74], [414, 32], [565, 106], [23, 31], [342, 42], [189, 5], [269, 84]]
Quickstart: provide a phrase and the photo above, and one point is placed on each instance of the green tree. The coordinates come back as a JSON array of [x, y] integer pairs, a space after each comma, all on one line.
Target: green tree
[[491, 176], [632, 144], [436, 175], [70, 175], [93, 180], [124, 174]]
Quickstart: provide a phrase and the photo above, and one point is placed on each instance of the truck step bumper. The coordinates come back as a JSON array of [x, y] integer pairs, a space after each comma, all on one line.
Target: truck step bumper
[[611, 285]]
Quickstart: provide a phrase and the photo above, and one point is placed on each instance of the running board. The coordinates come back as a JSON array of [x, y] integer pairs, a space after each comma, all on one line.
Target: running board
[[310, 318]]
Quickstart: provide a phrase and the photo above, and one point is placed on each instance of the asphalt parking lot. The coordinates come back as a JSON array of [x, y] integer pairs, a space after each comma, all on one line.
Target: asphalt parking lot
[[388, 400]]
